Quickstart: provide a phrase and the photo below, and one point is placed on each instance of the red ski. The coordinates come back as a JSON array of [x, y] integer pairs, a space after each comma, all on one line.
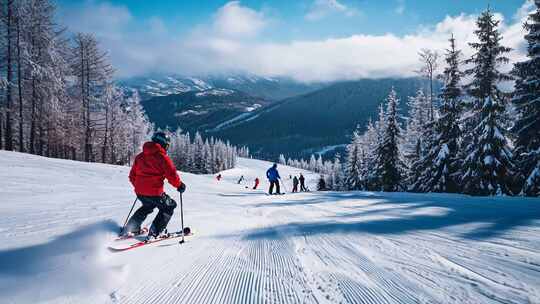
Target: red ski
[[168, 236]]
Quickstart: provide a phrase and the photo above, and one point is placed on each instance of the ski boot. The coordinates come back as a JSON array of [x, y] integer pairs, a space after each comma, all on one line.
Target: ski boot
[[132, 234], [153, 235]]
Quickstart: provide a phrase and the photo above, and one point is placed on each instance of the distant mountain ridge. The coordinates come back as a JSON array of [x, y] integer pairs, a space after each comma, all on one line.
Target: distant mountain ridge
[[322, 120], [261, 87], [200, 110]]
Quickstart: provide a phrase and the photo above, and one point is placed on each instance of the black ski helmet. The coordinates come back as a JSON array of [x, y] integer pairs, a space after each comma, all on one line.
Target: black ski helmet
[[162, 138]]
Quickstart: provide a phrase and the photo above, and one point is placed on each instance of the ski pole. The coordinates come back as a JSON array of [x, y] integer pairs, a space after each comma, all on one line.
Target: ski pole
[[127, 218], [181, 218]]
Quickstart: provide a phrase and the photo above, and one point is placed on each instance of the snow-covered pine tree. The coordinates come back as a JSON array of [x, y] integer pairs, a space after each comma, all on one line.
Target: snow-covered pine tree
[[337, 174], [378, 130], [413, 143], [370, 142], [437, 169], [487, 167], [320, 165], [526, 99], [328, 174], [202, 156], [138, 125], [389, 166], [312, 163], [206, 160], [282, 160], [353, 166], [198, 156]]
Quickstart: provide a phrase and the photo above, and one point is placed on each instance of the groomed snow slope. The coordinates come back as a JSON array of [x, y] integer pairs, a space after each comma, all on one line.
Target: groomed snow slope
[[58, 217]]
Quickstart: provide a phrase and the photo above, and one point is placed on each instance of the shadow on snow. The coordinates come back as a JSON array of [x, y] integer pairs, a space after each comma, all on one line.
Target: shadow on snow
[[496, 214], [65, 265]]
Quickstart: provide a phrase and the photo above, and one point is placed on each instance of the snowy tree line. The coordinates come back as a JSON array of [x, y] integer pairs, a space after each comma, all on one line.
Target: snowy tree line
[[57, 96], [203, 156], [331, 170], [472, 138]]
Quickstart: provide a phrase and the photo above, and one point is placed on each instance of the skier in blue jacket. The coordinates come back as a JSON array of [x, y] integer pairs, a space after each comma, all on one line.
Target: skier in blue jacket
[[273, 177]]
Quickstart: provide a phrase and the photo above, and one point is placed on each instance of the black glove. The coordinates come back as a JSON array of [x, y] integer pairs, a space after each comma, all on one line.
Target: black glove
[[181, 188]]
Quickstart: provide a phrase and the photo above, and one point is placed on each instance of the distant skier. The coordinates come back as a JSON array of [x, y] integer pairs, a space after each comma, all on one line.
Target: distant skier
[[150, 169], [241, 179], [302, 183], [295, 184], [256, 183], [218, 177], [273, 177]]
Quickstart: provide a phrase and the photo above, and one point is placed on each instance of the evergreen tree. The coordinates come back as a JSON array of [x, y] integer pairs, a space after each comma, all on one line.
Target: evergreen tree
[[389, 165], [312, 163], [487, 165], [337, 175], [370, 142], [437, 169], [202, 156], [413, 143], [198, 154], [282, 160], [353, 165], [319, 164], [527, 102]]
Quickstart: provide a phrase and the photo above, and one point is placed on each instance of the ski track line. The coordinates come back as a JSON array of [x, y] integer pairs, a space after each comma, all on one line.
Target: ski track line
[[421, 251], [195, 290], [323, 250], [151, 287], [482, 284], [387, 285], [246, 271], [390, 285], [500, 273]]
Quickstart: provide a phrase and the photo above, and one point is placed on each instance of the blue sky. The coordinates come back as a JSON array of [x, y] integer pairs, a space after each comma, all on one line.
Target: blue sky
[[369, 17], [189, 36]]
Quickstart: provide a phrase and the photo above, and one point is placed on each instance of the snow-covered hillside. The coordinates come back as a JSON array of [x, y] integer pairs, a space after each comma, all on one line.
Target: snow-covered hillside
[[58, 217]]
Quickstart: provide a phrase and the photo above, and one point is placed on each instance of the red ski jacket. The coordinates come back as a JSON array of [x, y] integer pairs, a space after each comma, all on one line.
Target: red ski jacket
[[150, 169]]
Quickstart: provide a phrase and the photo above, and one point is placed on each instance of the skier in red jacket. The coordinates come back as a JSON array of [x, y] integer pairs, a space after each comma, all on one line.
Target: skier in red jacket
[[150, 169], [256, 183]]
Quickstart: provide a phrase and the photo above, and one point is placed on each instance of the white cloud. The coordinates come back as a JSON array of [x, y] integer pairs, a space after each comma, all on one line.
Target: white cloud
[[235, 20], [524, 10], [322, 8], [232, 42]]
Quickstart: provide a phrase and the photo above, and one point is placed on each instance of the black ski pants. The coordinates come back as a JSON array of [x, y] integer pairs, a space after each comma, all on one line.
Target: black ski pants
[[165, 205], [272, 183]]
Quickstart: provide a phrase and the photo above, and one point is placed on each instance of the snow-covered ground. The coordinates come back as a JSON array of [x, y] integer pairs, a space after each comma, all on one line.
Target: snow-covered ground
[[58, 217]]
